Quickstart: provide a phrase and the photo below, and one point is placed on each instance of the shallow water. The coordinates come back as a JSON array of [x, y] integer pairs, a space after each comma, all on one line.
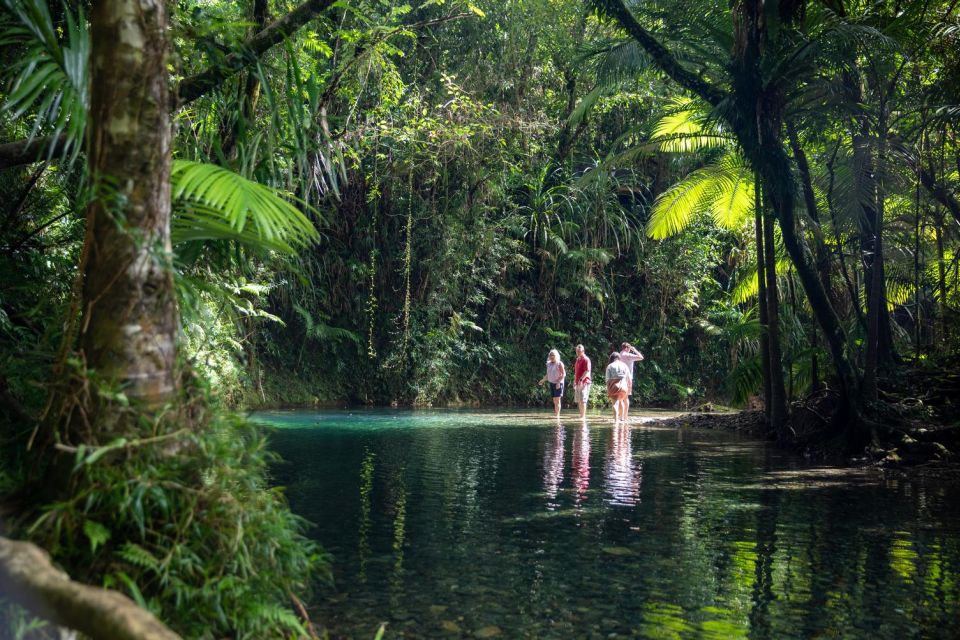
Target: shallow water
[[449, 523]]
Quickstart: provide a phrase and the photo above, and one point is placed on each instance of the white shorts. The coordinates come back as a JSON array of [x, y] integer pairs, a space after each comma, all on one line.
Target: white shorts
[[581, 393]]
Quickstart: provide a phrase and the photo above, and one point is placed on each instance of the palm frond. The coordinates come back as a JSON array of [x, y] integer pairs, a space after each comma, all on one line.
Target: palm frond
[[621, 61], [684, 130], [316, 328], [745, 380], [674, 208], [586, 103], [748, 284], [49, 77], [211, 202], [723, 188], [733, 193]]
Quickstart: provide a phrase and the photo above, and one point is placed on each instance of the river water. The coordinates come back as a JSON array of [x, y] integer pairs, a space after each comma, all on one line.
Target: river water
[[480, 524]]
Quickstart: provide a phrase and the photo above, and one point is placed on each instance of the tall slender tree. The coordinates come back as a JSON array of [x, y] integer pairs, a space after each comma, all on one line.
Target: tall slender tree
[[129, 317]]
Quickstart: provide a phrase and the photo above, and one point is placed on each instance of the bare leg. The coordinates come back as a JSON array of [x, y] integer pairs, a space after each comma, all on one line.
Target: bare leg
[[556, 407]]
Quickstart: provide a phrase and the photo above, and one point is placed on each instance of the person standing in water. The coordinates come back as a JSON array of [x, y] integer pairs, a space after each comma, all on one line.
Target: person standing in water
[[582, 381], [617, 376], [556, 373], [629, 355]]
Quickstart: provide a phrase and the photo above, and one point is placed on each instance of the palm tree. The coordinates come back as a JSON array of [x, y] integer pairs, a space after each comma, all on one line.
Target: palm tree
[[723, 189], [749, 92]]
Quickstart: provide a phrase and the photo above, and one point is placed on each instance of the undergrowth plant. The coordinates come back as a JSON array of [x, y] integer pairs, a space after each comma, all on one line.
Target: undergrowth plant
[[186, 523]]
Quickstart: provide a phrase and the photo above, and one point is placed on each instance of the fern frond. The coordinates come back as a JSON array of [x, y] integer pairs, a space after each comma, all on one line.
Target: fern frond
[[138, 556]]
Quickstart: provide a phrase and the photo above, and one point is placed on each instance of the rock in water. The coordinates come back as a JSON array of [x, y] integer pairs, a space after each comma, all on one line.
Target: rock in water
[[491, 631], [617, 551]]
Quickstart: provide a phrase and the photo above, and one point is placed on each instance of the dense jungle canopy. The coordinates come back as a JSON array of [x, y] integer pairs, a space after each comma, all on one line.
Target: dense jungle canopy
[[208, 205]]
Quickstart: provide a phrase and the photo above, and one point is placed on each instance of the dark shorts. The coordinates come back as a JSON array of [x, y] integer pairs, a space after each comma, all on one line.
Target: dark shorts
[[556, 390]]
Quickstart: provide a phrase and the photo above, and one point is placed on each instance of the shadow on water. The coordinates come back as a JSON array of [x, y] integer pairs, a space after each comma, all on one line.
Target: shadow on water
[[483, 524]]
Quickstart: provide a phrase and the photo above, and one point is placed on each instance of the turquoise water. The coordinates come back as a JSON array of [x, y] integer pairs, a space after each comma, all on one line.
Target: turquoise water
[[462, 524]]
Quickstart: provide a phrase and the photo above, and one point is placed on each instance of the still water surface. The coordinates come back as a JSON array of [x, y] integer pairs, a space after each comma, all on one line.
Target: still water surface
[[464, 524]]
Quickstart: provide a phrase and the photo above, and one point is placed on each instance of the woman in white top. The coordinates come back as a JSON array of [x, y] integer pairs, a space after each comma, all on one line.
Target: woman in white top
[[556, 373]]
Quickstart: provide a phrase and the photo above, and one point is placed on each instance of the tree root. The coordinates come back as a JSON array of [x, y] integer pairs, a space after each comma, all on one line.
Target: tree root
[[28, 578]]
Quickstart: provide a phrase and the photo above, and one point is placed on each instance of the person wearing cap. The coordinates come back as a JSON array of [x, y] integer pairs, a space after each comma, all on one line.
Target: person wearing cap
[[617, 377], [629, 355]]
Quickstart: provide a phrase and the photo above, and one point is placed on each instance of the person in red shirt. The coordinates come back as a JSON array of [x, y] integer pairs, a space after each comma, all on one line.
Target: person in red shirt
[[582, 381]]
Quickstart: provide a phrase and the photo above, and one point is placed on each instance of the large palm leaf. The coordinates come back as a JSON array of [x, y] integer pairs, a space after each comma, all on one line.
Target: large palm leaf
[[685, 129], [723, 189], [49, 77], [213, 203]]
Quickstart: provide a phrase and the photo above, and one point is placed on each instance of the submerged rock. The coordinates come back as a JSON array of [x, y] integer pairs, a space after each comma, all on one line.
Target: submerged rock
[[451, 626], [617, 551], [491, 631]]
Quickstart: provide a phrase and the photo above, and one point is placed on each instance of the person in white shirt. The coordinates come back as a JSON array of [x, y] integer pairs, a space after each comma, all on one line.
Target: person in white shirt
[[629, 355], [556, 373]]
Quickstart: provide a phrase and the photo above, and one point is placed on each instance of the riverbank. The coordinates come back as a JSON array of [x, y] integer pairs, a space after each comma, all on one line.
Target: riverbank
[[923, 456]]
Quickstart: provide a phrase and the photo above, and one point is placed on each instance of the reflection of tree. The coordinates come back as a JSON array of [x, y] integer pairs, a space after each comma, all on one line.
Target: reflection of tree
[[553, 463], [581, 463], [366, 487], [622, 474], [399, 535], [763, 593]]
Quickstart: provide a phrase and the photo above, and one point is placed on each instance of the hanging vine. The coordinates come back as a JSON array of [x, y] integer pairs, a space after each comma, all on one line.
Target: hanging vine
[[406, 264], [371, 307]]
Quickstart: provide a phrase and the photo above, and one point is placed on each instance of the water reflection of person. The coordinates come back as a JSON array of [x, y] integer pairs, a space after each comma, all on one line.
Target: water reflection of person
[[553, 463], [622, 474], [581, 463]]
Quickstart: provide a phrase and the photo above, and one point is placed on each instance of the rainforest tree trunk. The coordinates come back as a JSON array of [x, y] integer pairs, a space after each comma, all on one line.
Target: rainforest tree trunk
[[871, 245], [129, 325], [758, 127], [942, 285], [778, 397], [810, 201], [762, 300]]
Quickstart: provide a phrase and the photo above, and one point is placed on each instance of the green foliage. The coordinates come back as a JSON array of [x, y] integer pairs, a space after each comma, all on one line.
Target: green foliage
[[213, 203], [724, 188], [189, 527], [49, 79]]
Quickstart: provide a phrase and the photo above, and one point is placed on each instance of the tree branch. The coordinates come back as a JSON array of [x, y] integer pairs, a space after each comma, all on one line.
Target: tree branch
[[662, 57], [938, 190], [21, 152], [28, 578], [253, 47]]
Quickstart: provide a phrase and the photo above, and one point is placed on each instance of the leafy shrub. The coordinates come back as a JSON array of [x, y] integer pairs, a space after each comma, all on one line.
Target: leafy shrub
[[189, 527]]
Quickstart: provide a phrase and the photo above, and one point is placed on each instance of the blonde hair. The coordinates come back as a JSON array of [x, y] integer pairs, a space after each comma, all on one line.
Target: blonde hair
[[555, 354]]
